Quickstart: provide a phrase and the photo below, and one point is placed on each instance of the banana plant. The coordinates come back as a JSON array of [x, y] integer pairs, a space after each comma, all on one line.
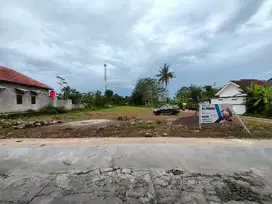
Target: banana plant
[[259, 96]]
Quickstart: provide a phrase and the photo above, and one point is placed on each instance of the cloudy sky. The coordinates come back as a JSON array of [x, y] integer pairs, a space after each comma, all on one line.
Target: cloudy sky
[[204, 42]]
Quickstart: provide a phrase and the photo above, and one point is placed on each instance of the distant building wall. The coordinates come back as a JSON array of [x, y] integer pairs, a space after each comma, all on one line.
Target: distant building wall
[[8, 98], [230, 100], [63, 103], [78, 106]]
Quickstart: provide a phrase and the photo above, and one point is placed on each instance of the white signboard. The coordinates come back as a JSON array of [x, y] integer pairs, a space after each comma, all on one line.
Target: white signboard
[[215, 113]]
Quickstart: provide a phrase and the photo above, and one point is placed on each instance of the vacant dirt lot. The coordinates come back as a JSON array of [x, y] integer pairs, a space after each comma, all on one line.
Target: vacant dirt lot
[[135, 122], [110, 113]]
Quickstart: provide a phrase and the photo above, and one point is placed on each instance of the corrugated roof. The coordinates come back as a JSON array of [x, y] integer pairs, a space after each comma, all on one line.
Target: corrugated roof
[[244, 83], [9, 75]]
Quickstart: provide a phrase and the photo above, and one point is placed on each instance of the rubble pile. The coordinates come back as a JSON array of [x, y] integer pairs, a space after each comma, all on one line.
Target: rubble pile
[[18, 124]]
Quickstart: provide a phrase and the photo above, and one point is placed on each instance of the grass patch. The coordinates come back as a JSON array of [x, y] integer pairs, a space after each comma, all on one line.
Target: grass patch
[[257, 116], [143, 126], [257, 124], [142, 113]]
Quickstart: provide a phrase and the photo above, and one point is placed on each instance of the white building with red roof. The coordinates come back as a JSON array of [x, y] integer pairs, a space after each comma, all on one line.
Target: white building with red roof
[[232, 93], [19, 93]]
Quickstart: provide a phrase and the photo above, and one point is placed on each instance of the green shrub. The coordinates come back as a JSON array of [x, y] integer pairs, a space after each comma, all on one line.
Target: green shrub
[[143, 126], [158, 104], [269, 112], [48, 110], [259, 115], [77, 109], [192, 106], [53, 110], [61, 110]]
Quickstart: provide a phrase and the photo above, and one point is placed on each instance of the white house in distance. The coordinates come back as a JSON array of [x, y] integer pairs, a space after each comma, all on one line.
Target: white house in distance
[[231, 93]]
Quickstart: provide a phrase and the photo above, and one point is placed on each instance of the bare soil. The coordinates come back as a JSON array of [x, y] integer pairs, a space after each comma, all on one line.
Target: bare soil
[[182, 127], [124, 122]]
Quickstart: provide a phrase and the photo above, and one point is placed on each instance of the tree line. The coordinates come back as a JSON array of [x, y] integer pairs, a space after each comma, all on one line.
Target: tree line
[[149, 91], [152, 91]]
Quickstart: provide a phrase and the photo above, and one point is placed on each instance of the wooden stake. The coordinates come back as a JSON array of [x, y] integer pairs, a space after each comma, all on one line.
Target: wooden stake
[[240, 120], [199, 116]]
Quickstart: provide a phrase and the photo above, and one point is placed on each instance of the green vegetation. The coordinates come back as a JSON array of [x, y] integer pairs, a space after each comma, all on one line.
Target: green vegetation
[[91, 100], [50, 110], [164, 77], [142, 113], [258, 125], [257, 115], [259, 101], [193, 94], [149, 92], [143, 126]]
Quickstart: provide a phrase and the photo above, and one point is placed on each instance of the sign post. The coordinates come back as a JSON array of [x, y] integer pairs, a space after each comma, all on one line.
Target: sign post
[[217, 113], [214, 113], [200, 116]]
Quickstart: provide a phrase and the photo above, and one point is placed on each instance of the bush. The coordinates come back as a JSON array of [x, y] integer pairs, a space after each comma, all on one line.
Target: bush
[[48, 110], [77, 110], [192, 106], [269, 112], [259, 115], [61, 110], [158, 104], [53, 110]]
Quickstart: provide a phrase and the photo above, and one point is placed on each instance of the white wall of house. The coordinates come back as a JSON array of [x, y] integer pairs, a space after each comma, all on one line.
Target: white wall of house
[[67, 104], [239, 108], [8, 101], [231, 94], [238, 103], [229, 100]]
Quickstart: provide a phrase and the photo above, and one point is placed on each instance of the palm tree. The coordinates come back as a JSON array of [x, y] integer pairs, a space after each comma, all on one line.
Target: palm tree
[[164, 77]]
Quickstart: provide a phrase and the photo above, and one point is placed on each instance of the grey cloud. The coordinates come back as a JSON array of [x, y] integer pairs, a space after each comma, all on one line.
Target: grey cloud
[[242, 15], [74, 38]]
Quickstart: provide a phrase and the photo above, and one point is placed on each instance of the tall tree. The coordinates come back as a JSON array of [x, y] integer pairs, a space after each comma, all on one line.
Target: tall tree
[[99, 99], [209, 92], [146, 92], [118, 100], [183, 94], [164, 77], [65, 92], [61, 81], [65, 89], [108, 95]]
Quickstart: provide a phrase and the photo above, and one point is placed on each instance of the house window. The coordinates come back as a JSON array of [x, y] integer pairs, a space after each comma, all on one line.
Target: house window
[[19, 99], [220, 99], [234, 99], [33, 99]]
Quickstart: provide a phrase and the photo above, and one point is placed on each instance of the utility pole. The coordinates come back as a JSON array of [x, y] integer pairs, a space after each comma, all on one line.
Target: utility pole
[[105, 77]]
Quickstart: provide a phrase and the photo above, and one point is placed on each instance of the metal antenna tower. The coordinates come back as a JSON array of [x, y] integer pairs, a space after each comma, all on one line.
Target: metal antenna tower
[[105, 77]]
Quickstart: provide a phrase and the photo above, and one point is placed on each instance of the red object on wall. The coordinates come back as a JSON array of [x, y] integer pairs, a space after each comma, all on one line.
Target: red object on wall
[[52, 94]]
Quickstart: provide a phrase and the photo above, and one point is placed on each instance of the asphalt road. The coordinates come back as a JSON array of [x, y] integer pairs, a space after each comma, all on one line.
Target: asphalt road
[[189, 172]]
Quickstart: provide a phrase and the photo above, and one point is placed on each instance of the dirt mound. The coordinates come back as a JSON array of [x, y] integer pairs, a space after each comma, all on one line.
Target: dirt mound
[[190, 121], [93, 122], [125, 118]]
